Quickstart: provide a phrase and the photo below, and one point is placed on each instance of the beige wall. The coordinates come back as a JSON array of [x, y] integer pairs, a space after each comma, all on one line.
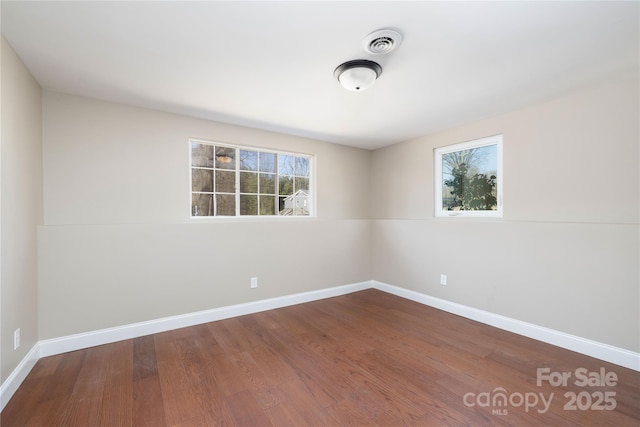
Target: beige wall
[[21, 177], [118, 245], [566, 253], [99, 276], [107, 163]]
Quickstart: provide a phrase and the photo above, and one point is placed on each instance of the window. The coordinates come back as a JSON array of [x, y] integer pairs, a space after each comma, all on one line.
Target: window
[[468, 178], [239, 181]]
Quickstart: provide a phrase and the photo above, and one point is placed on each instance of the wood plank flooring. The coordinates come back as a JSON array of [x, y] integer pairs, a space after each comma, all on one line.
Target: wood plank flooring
[[367, 358]]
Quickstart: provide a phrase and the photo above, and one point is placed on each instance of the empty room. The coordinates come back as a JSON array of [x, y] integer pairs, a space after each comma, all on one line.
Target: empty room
[[320, 213]]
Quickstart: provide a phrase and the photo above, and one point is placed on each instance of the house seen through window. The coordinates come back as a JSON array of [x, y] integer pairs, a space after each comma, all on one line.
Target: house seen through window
[[239, 181]]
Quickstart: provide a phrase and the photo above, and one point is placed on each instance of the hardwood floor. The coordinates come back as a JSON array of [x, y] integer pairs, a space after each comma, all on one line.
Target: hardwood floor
[[367, 358]]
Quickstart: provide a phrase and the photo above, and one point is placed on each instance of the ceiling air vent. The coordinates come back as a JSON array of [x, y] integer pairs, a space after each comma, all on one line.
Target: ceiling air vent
[[382, 41]]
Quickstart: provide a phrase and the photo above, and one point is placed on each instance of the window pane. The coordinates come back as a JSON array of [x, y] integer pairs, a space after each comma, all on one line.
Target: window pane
[[267, 183], [228, 180], [202, 180], [285, 164], [202, 205], [267, 162], [225, 158], [248, 160], [302, 184], [225, 182], [281, 207], [469, 179], [286, 185], [267, 205], [248, 205], [294, 205], [301, 204], [225, 205], [202, 155], [248, 182], [302, 166]]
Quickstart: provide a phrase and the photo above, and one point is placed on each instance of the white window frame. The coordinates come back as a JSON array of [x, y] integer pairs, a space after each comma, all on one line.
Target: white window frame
[[311, 201], [438, 178]]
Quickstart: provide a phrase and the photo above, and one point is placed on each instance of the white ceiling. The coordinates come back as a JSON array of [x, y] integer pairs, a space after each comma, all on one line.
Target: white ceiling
[[269, 65]]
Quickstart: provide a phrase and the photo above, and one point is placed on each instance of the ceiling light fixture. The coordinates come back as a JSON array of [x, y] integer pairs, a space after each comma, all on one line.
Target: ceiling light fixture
[[224, 156], [358, 74], [225, 159]]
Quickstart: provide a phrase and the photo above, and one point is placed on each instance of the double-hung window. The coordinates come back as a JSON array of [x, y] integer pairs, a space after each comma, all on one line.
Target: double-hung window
[[229, 180], [468, 178]]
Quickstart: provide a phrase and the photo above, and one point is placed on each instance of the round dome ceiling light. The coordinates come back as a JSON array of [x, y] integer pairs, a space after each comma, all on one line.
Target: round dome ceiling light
[[358, 74], [382, 41]]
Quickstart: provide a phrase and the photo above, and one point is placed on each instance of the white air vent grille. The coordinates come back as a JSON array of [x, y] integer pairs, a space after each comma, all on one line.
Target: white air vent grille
[[381, 41]]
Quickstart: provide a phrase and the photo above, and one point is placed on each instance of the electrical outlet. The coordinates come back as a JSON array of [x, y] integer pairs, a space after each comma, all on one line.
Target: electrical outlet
[[443, 279], [254, 282], [16, 339]]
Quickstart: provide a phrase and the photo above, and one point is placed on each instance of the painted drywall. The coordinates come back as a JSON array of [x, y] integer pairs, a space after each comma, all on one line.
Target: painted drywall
[[22, 212], [566, 253], [111, 275], [107, 163], [118, 245]]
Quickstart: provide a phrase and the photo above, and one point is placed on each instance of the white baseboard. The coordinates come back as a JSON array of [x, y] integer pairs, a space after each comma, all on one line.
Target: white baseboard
[[608, 353], [65, 344], [13, 381], [68, 343], [119, 333]]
